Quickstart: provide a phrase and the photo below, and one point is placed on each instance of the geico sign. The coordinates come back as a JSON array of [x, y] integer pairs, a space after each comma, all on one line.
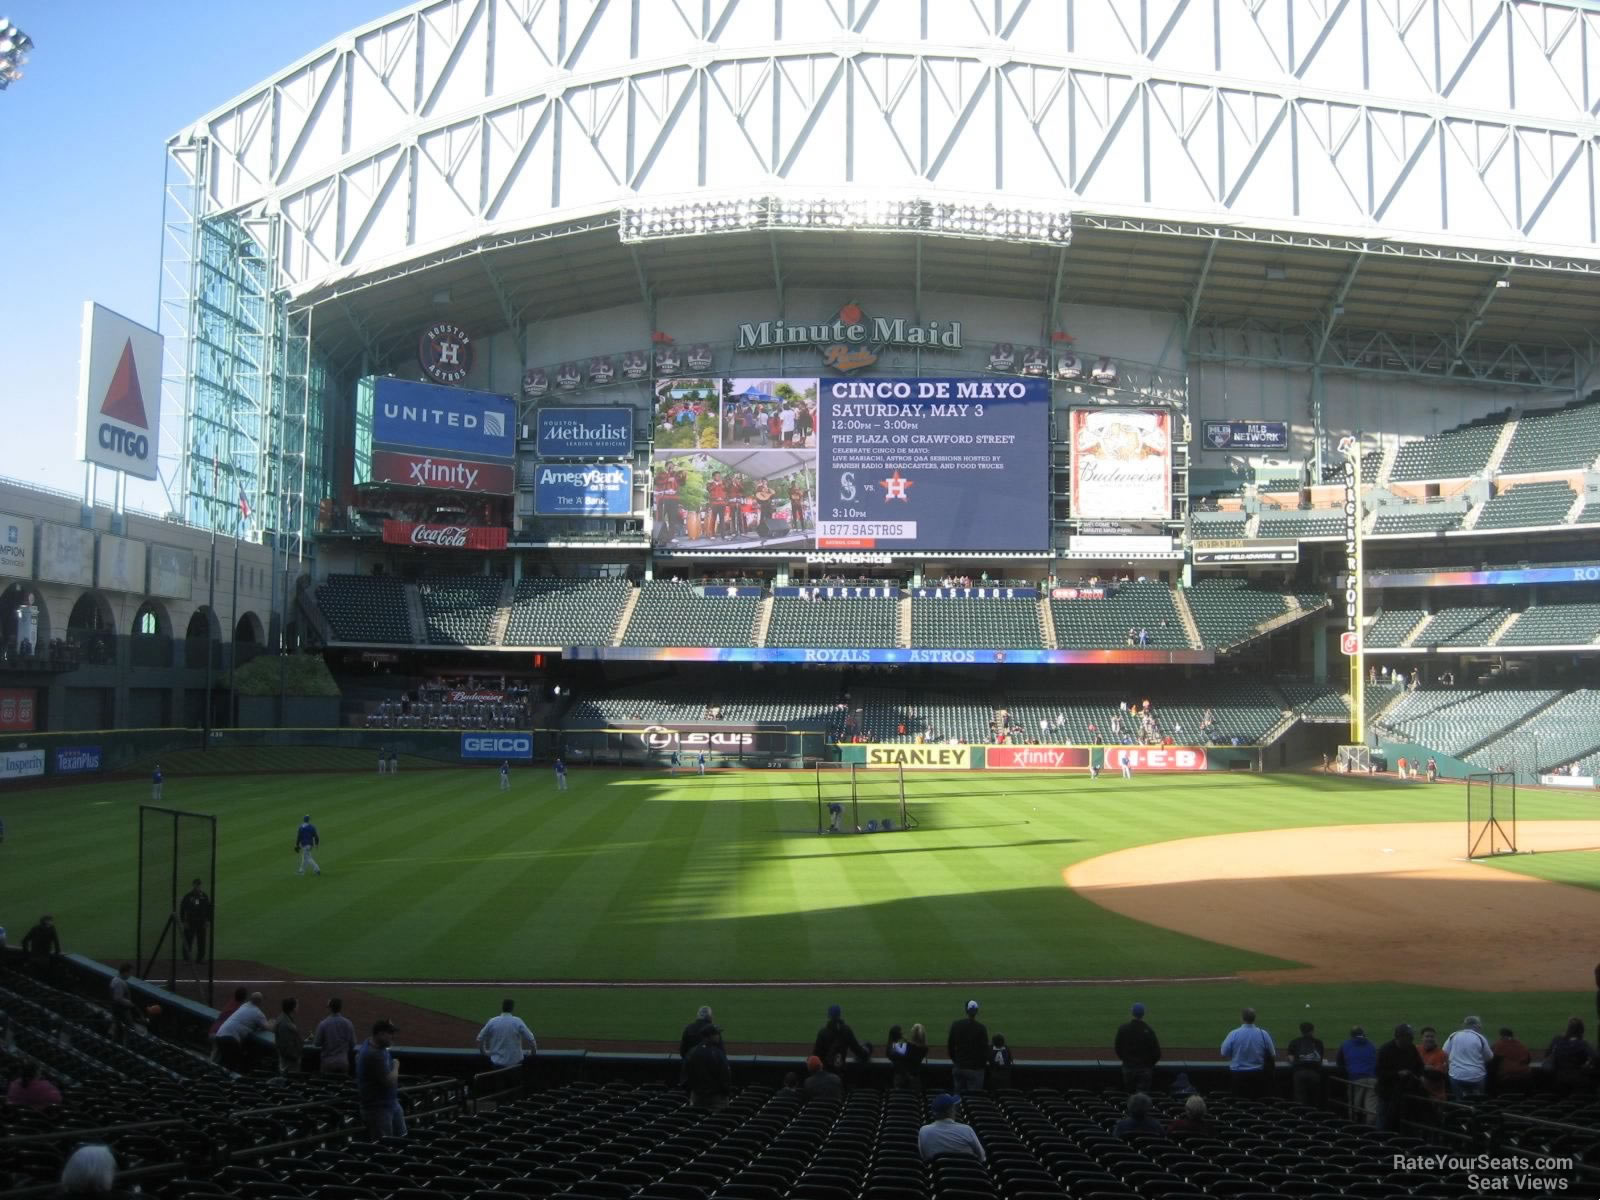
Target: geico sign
[[1157, 758], [496, 745], [124, 441], [659, 737]]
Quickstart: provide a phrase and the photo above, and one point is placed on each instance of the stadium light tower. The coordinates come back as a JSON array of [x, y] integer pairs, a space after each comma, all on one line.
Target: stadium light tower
[[14, 47]]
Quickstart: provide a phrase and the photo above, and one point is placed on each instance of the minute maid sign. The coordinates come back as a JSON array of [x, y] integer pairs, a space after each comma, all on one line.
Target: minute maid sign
[[849, 337]]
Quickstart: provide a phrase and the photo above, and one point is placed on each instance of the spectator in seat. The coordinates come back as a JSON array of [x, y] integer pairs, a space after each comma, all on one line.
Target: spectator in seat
[[1305, 1065], [506, 1039], [1250, 1054], [91, 1171], [1435, 1064], [32, 1090], [821, 1083], [247, 1020], [968, 1047], [1358, 1062], [378, 1084], [286, 1038], [1512, 1068], [836, 1043], [41, 944], [1399, 1076], [1570, 1059], [1139, 1049], [1139, 1122], [906, 1056], [707, 1073], [1195, 1118], [335, 1040], [945, 1135], [1469, 1054]]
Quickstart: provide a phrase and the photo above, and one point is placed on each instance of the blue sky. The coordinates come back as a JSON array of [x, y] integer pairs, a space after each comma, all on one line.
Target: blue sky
[[84, 135]]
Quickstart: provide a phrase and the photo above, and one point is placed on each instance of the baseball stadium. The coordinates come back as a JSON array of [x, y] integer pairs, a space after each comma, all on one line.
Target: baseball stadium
[[1065, 522]]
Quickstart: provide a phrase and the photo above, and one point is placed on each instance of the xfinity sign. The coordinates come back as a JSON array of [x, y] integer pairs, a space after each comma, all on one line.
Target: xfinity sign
[[496, 745]]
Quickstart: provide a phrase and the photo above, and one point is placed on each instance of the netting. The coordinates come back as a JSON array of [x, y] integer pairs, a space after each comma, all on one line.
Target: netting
[[881, 800], [1354, 760], [175, 927], [1491, 814]]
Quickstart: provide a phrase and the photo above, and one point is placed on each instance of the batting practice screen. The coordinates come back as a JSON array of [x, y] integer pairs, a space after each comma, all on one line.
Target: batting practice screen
[[173, 942]]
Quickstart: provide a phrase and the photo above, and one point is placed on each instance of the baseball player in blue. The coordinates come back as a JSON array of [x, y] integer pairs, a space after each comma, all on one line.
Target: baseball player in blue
[[505, 775], [677, 761], [561, 775], [701, 759], [306, 840], [155, 784]]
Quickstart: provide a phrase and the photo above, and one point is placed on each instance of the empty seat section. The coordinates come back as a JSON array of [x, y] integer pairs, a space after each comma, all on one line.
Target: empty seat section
[[1002, 624], [676, 614], [1300, 523], [1554, 625], [1469, 625], [1417, 518], [459, 610], [1316, 700], [829, 622], [1453, 454], [1563, 439], [1146, 604], [1224, 528], [1527, 504], [1453, 720], [365, 608], [1566, 730], [566, 612], [1230, 611], [1390, 627]]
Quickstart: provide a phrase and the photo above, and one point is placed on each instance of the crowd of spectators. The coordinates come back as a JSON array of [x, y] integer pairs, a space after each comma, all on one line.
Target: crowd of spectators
[[469, 702]]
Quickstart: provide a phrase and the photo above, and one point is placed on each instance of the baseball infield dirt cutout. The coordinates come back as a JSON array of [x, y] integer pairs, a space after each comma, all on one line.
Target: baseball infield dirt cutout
[[1366, 903]]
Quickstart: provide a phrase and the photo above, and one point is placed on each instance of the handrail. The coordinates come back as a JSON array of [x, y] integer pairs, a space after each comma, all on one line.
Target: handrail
[[95, 1133]]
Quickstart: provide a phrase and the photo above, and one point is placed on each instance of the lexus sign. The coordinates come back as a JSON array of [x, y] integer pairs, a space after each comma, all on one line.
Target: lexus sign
[[661, 737]]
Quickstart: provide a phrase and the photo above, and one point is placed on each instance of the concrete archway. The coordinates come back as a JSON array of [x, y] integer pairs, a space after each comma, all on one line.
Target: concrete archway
[[249, 629], [203, 625], [152, 620]]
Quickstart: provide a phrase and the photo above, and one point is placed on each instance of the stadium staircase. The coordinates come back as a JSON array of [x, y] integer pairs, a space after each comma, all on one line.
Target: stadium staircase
[[1498, 455], [631, 603], [1047, 622], [903, 625], [419, 619], [502, 615], [1186, 615], [306, 598], [764, 620]]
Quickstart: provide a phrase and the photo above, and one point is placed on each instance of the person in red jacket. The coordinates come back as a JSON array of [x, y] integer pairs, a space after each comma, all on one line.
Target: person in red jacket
[[31, 1090]]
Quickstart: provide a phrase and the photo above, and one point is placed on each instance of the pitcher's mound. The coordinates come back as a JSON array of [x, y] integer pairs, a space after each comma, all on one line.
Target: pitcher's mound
[[1366, 903]]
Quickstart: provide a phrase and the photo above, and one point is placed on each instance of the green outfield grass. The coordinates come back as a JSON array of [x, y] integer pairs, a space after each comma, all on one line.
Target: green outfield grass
[[438, 875]]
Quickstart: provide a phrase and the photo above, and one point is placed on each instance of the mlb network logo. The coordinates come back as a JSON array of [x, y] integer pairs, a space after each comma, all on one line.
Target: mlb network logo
[[496, 745]]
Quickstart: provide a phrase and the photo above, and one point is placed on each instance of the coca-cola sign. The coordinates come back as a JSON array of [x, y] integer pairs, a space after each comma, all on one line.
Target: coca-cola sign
[[444, 537]]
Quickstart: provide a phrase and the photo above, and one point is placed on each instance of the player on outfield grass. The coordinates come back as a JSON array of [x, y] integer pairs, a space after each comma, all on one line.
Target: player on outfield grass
[[306, 840], [155, 784], [561, 775], [701, 760], [505, 774], [1127, 764], [676, 760]]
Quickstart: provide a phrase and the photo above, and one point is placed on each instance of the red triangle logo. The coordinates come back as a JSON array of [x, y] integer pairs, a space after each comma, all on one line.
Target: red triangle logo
[[124, 401]]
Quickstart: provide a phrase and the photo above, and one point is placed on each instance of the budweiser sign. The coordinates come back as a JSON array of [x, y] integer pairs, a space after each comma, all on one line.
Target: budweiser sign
[[445, 537]]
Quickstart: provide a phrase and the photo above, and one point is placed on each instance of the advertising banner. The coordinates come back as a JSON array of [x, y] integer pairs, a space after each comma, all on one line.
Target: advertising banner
[[20, 764], [582, 490], [444, 537], [66, 554], [496, 746], [657, 743], [171, 572], [1076, 758], [1121, 463], [120, 563], [837, 591], [909, 465], [1567, 781], [75, 760], [452, 420], [1246, 435], [481, 696], [585, 432], [976, 593], [406, 469], [954, 656], [920, 758], [16, 547], [17, 710], [119, 393], [1077, 593], [1245, 553]]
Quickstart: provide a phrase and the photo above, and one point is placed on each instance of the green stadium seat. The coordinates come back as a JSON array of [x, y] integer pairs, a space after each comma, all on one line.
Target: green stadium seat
[[566, 612], [1528, 505], [1417, 518], [1104, 623], [676, 614], [366, 608], [459, 610], [829, 622], [969, 622], [1559, 439], [1453, 454]]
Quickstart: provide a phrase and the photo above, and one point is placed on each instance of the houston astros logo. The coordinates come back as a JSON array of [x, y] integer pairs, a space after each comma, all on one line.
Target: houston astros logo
[[894, 487], [445, 352]]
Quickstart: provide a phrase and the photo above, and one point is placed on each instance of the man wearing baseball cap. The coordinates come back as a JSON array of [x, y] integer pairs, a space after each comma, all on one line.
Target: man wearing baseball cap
[[1139, 1049], [945, 1135], [378, 1084], [968, 1046]]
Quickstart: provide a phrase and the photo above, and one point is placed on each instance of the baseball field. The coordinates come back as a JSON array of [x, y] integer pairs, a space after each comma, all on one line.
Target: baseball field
[[613, 909]]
